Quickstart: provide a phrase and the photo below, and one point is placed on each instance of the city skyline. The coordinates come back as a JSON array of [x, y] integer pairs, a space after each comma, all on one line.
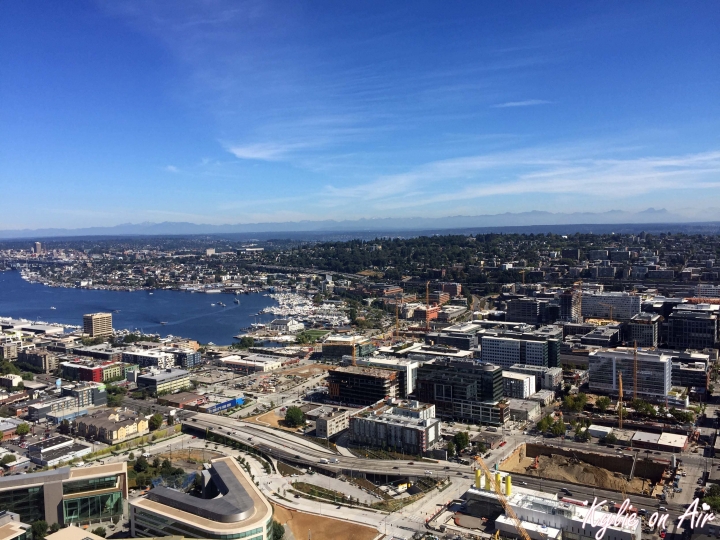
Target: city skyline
[[261, 112]]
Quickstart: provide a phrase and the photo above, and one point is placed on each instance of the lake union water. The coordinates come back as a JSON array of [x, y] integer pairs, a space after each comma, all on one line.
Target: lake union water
[[187, 315]]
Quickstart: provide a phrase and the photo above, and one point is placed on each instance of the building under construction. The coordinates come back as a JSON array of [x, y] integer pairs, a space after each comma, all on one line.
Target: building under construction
[[362, 385]]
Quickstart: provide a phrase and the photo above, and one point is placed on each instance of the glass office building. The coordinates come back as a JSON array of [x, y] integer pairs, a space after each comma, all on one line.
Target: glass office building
[[67, 495], [27, 502]]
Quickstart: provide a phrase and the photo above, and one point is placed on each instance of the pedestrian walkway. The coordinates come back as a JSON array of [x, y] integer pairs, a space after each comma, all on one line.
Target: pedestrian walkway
[[342, 445]]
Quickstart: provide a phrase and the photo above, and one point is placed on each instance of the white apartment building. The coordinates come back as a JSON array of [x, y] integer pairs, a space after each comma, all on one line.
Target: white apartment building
[[599, 305], [505, 352], [518, 385], [149, 358], [654, 373], [705, 290]]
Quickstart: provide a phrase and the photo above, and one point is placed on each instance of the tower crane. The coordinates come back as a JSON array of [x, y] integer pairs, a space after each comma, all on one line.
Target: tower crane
[[611, 309], [620, 399], [427, 306], [635, 380], [503, 500], [354, 360], [397, 321]]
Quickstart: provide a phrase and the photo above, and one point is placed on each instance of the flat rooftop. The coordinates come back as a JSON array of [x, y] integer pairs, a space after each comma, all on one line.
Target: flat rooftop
[[166, 374]]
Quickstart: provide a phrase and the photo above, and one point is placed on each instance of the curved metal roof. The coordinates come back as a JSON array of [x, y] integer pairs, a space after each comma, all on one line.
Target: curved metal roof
[[233, 504]]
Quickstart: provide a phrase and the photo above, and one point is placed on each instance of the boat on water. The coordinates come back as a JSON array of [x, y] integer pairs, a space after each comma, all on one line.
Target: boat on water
[[221, 304], [150, 293], [53, 307], [237, 301], [163, 323], [212, 304]]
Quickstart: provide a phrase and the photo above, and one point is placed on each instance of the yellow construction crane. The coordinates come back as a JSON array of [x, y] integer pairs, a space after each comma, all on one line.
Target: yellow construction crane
[[608, 306], [397, 321], [354, 361], [635, 381], [501, 497], [620, 399], [427, 305]]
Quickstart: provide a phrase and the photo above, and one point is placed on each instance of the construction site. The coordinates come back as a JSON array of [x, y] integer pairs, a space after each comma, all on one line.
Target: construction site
[[628, 473]]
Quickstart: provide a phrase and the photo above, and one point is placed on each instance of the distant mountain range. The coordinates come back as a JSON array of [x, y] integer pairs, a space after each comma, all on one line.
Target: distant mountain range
[[379, 225]]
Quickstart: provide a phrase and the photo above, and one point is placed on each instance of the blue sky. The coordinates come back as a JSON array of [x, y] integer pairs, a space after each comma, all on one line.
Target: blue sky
[[238, 112]]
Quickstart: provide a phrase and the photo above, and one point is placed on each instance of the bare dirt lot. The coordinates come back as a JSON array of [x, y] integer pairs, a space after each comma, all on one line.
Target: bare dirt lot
[[270, 418], [190, 459], [321, 528], [557, 467]]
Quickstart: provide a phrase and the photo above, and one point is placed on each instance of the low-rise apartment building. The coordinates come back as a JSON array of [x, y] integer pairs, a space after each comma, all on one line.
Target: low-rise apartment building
[[166, 381], [149, 358], [39, 409], [40, 359], [388, 430], [112, 428], [332, 423]]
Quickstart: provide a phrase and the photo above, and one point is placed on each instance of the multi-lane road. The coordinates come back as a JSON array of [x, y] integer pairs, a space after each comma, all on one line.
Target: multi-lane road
[[294, 449]]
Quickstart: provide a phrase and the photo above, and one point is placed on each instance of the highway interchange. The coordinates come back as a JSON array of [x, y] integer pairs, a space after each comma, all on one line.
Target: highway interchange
[[296, 450]]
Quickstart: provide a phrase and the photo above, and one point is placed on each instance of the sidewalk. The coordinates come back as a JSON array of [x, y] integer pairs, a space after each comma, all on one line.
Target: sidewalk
[[341, 443]]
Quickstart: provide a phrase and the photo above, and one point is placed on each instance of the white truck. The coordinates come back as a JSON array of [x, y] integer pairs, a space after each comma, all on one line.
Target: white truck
[[324, 460]]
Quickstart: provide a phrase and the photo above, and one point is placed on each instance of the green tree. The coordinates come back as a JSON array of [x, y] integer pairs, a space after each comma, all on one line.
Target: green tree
[[55, 527], [558, 428], [611, 438], [155, 421], [450, 449], [131, 456], [544, 424], [278, 530], [461, 440], [64, 427], [246, 342], [39, 529], [22, 430], [602, 403], [575, 403], [156, 463], [100, 531], [141, 465], [7, 458], [141, 480], [294, 417]]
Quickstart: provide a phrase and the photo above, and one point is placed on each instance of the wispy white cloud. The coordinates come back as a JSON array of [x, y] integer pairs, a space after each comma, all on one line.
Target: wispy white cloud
[[525, 103], [172, 169], [552, 171], [265, 151]]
